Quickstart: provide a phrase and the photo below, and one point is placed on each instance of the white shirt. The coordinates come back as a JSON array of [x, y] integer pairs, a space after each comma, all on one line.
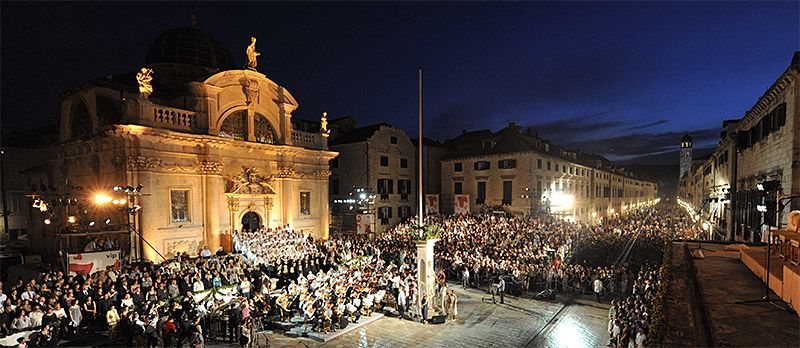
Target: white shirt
[[36, 318], [198, 286], [598, 285]]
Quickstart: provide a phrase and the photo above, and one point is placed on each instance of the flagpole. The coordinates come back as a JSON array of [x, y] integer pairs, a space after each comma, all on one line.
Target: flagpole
[[421, 198]]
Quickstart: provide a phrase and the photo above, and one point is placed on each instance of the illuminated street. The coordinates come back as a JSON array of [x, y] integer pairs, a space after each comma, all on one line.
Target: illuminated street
[[518, 323]]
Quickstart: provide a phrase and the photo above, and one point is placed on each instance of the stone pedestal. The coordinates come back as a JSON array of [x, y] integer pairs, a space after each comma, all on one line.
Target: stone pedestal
[[426, 278]]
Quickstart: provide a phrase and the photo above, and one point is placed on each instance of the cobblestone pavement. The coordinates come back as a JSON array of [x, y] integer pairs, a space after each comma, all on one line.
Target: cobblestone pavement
[[517, 323]]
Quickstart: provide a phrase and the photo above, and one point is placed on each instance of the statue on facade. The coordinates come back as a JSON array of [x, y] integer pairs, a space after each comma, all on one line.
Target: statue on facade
[[251, 182], [144, 77], [323, 124], [252, 55]]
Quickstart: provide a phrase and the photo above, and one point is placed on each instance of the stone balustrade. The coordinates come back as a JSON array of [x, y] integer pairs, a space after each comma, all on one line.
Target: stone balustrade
[[308, 140], [173, 118]]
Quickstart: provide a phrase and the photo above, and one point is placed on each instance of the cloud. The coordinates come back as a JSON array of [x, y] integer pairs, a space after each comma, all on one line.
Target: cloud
[[575, 125], [456, 118], [646, 125], [626, 147]]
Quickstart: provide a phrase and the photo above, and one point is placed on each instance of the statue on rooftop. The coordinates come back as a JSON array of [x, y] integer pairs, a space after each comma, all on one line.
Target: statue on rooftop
[[323, 124], [144, 77], [252, 55]]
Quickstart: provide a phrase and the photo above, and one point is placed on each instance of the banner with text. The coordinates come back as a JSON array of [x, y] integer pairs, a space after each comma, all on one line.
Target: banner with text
[[363, 223], [92, 262], [432, 204], [461, 204]]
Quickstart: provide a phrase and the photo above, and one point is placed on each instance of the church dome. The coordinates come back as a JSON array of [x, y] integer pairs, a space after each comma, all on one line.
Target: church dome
[[188, 46]]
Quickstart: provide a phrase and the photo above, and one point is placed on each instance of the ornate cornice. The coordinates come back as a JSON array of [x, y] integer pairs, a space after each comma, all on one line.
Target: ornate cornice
[[766, 100], [142, 163]]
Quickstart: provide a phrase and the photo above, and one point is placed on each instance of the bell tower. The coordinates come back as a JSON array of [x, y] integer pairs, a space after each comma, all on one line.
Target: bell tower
[[686, 155]]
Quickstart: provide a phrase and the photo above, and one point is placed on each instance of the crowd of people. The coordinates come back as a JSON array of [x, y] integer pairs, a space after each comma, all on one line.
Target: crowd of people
[[278, 274]]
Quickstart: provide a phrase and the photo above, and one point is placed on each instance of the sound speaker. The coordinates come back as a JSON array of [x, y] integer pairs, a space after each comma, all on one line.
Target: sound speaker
[[344, 322], [437, 319]]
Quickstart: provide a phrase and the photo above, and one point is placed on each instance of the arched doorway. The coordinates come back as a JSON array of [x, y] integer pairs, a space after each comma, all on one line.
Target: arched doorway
[[251, 221]]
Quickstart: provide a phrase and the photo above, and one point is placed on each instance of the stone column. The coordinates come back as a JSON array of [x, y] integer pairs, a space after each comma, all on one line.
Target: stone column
[[214, 195], [426, 278]]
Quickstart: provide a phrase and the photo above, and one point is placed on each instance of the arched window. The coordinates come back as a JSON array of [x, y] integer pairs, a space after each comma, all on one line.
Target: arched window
[[264, 132], [234, 126], [80, 123]]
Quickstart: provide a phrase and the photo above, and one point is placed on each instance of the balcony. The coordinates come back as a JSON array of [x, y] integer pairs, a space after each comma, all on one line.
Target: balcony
[[308, 140], [173, 118]]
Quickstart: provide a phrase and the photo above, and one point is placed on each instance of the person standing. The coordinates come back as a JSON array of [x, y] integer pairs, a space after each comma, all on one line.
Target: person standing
[[598, 288], [453, 304], [502, 289], [423, 304], [112, 319], [465, 277], [401, 301], [168, 330]]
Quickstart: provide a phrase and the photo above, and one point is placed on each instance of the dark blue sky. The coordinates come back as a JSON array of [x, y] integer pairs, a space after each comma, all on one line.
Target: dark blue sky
[[622, 79]]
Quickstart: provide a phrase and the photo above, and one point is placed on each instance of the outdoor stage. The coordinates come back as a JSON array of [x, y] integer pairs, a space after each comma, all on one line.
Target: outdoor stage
[[784, 277]]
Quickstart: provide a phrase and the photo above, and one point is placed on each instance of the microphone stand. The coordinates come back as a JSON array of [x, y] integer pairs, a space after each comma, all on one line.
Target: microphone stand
[[767, 298]]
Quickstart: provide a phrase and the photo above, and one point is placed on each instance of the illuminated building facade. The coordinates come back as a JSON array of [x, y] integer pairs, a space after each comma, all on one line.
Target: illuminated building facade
[[516, 171], [213, 146]]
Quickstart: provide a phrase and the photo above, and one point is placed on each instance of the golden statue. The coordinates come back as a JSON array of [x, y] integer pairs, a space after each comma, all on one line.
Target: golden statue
[[252, 55], [323, 124], [144, 77]]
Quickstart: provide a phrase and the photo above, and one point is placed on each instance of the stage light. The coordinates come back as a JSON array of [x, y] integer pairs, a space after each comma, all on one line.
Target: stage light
[[561, 201], [115, 202], [594, 214], [123, 201], [706, 225], [102, 198], [761, 208], [91, 223], [108, 221], [363, 196], [72, 219], [47, 221]]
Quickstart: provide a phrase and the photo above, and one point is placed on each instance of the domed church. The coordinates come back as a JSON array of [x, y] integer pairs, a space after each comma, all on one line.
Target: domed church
[[212, 145]]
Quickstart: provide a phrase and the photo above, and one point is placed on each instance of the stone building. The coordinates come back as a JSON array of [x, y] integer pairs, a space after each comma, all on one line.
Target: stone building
[[432, 154], [213, 146], [768, 140], [379, 159], [21, 149], [686, 155], [761, 146], [515, 170]]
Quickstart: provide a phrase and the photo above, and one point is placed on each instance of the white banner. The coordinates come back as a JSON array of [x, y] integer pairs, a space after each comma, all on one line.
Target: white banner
[[432, 204], [363, 223], [92, 262], [461, 204]]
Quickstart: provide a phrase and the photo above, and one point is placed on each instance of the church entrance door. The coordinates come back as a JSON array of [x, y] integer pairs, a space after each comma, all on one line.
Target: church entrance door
[[251, 221]]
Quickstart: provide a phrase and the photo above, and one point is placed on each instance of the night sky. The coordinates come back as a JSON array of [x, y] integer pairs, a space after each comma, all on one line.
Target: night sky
[[621, 79]]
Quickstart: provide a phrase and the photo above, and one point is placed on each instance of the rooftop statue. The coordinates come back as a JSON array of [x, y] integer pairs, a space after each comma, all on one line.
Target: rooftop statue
[[252, 55], [144, 77], [323, 123]]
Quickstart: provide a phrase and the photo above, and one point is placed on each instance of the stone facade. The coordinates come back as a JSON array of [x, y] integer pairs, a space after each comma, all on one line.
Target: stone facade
[[523, 179], [381, 159], [206, 150], [763, 145]]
